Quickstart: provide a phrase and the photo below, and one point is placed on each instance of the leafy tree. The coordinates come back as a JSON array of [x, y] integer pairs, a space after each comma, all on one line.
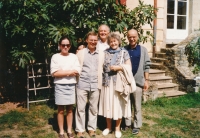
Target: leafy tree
[[31, 28]]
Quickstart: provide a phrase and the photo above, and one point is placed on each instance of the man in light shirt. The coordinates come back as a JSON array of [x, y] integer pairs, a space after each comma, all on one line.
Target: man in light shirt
[[103, 32], [89, 85]]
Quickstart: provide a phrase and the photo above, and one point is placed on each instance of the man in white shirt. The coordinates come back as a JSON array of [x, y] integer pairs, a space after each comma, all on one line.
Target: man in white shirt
[[103, 32]]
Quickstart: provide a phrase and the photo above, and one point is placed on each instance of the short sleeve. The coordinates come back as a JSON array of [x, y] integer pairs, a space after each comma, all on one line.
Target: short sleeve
[[126, 55], [54, 64]]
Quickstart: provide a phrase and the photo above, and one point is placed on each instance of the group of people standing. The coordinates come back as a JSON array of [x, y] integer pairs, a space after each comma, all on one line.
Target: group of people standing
[[101, 74]]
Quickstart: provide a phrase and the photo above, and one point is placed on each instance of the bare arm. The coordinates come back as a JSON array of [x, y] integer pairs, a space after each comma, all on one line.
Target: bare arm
[[65, 73], [119, 68]]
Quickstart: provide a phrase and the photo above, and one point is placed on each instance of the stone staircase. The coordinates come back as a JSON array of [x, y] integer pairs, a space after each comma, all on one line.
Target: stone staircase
[[158, 75]]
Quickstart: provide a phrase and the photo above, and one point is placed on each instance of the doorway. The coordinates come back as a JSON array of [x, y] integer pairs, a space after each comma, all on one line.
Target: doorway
[[177, 20]]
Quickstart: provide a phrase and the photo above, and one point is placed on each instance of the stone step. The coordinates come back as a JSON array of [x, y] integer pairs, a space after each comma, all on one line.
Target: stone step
[[170, 45], [171, 93], [160, 79], [158, 60], [154, 94], [164, 50], [160, 55], [162, 87], [157, 66], [156, 72]]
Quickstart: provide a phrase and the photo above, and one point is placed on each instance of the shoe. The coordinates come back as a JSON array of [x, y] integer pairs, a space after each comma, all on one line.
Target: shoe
[[61, 136], [135, 131], [118, 134], [92, 133], [126, 128], [80, 135], [106, 131], [70, 135]]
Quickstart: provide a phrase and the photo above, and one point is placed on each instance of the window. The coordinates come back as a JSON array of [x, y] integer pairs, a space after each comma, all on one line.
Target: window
[[177, 14]]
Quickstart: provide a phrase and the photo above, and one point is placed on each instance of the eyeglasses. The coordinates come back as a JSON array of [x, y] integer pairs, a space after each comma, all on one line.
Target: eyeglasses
[[63, 45], [91, 40]]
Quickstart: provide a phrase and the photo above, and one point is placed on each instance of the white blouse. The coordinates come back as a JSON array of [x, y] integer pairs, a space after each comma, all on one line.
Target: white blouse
[[69, 62]]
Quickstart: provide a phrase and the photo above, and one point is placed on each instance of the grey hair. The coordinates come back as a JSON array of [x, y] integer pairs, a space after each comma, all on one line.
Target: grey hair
[[106, 26], [116, 36]]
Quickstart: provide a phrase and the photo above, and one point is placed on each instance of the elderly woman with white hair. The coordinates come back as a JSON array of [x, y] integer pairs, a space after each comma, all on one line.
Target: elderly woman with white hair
[[111, 104]]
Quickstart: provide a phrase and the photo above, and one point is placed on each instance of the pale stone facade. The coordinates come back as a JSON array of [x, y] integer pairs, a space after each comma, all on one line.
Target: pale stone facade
[[194, 15], [161, 23], [193, 22]]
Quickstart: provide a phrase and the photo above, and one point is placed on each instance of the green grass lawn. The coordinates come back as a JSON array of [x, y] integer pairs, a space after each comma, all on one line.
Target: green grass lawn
[[162, 118]]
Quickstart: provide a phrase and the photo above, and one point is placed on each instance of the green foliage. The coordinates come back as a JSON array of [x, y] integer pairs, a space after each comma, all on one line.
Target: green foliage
[[38, 24], [173, 114], [23, 57], [192, 50], [187, 101], [141, 15]]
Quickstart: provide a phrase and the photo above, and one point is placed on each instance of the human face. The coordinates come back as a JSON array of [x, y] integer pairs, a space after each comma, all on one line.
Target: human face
[[132, 38], [114, 43], [65, 46], [103, 33], [92, 42]]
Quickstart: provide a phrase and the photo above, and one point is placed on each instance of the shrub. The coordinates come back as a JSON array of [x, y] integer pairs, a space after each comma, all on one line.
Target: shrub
[[36, 25]]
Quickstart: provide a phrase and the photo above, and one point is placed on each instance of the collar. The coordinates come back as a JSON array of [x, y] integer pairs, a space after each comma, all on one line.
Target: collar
[[129, 47], [105, 43], [112, 51], [95, 52]]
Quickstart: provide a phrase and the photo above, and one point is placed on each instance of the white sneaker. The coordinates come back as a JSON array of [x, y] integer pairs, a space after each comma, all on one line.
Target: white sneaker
[[106, 131], [118, 134]]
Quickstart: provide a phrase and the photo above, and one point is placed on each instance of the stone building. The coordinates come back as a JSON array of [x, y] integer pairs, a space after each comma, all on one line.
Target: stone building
[[176, 25], [176, 19]]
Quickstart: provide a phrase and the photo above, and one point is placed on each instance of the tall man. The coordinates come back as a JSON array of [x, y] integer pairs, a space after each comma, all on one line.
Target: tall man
[[89, 85], [140, 69], [103, 32]]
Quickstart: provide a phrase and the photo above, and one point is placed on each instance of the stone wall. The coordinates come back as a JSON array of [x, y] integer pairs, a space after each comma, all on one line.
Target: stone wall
[[178, 65], [194, 15], [161, 23]]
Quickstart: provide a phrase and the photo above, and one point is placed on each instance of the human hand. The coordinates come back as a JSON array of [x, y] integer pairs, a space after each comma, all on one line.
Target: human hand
[[115, 68], [73, 73], [146, 85]]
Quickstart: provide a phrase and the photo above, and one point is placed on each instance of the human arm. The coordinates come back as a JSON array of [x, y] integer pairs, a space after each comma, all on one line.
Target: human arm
[[127, 60], [60, 68], [147, 64], [118, 67], [146, 82], [65, 73]]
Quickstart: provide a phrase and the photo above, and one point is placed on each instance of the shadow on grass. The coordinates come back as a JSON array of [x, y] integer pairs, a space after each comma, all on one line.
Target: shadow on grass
[[54, 123], [101, 121]]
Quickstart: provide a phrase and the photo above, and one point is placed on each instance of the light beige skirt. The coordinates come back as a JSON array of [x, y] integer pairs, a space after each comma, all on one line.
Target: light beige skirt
[[112, 105]]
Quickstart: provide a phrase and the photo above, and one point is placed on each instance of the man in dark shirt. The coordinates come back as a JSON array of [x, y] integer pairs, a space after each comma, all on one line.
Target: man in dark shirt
[[140, 69]]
